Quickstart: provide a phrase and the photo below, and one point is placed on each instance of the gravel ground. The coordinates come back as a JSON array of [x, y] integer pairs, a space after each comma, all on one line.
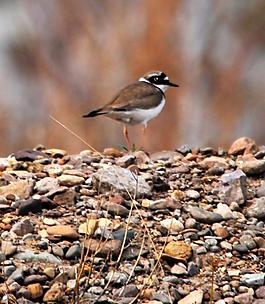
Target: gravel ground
[[184, 226]]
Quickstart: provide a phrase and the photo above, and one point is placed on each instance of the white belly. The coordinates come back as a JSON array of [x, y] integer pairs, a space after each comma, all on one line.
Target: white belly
[[138, 116]]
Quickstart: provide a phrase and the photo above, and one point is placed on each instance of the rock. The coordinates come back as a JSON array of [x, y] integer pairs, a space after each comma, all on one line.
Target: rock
[[120, 235], [74, 252], [34, 205], [247, 240], [213, 161], [261, 190], [43, 257], [162, 297], [64, 231], [66, 198], [243, 145], [58, 251], [178, 270], [55, 153], [221, 232], [184, 149], [116, 277], [35, 290], [204, 216], [103, 248], [17, 275], [234, 187], [193, 194], [192, 269], [174, 226], [256, 209], [49, 272], [112, 152], [260, 292], [224, 211], [8, 248], [127, 291], [252, 167], [126, 160], [22, 189], [70, 180], [46, 184], [122, 180], [253, 279], [115, 209], [23, 227], [35, 278], [244, 298], [164, 155], [178, 250], [260, 241], [194, 297], [54, 294]]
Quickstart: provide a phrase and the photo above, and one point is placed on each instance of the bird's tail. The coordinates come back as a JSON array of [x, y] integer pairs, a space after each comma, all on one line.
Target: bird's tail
[[94, 113]]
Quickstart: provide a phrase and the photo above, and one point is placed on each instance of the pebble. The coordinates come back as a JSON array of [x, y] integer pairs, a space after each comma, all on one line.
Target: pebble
[[179, 270], [116, 277], [121, 180], [172, 225], [204, 216], [65, 231], [260, 292], [193, 194], [244, 298], [252, 167], [224, 211], [178, 250], [253, 279], [35, 290], [74, 252], [194, 297], [44, 257], [22, 227], [8, 248], [261, 190], [241, 145], [22, 189], [257, 208], [70, 180]]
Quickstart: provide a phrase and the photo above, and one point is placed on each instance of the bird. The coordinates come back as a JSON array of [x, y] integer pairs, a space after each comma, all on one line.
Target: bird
[[138, 102]]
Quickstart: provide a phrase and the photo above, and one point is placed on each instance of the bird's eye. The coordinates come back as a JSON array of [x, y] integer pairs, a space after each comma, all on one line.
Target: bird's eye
[[156, 78]]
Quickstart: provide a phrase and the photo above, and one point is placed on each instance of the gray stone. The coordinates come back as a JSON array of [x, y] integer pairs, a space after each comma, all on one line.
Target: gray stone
[[261, 190], [117, 277], [125, 161], [253, 167], [44, 257], [234, 187], [193, 194], [127, 291], [23, 227], [256, 209], [8, 270], [161, 296], [17, 275], [253, 279], [121, 180], [46, 184], [193, 269], [204, 216], [74, 252], [248, 241], [2, 257]]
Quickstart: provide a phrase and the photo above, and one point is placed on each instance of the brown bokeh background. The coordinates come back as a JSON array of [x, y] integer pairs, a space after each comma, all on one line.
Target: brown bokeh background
[[66, 57]]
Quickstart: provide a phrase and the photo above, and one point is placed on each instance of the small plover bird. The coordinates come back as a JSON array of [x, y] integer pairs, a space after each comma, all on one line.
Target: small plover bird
[[137, 103]]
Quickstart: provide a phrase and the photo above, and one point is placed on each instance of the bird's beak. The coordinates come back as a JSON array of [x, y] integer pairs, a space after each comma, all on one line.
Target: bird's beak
[[171, 84]]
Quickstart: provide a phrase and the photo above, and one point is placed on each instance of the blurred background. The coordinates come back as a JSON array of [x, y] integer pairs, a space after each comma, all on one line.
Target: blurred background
[[66, 57]]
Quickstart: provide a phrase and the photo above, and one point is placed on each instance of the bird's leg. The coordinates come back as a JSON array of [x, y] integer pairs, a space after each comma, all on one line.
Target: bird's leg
[[143, 130], [126, 136]]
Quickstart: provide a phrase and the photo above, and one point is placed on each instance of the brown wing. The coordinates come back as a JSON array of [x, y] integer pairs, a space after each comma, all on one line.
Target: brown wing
[[140, 94]]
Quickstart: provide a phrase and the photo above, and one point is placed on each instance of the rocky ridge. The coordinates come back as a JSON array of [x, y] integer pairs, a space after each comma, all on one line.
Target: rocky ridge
[[184, 226]]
